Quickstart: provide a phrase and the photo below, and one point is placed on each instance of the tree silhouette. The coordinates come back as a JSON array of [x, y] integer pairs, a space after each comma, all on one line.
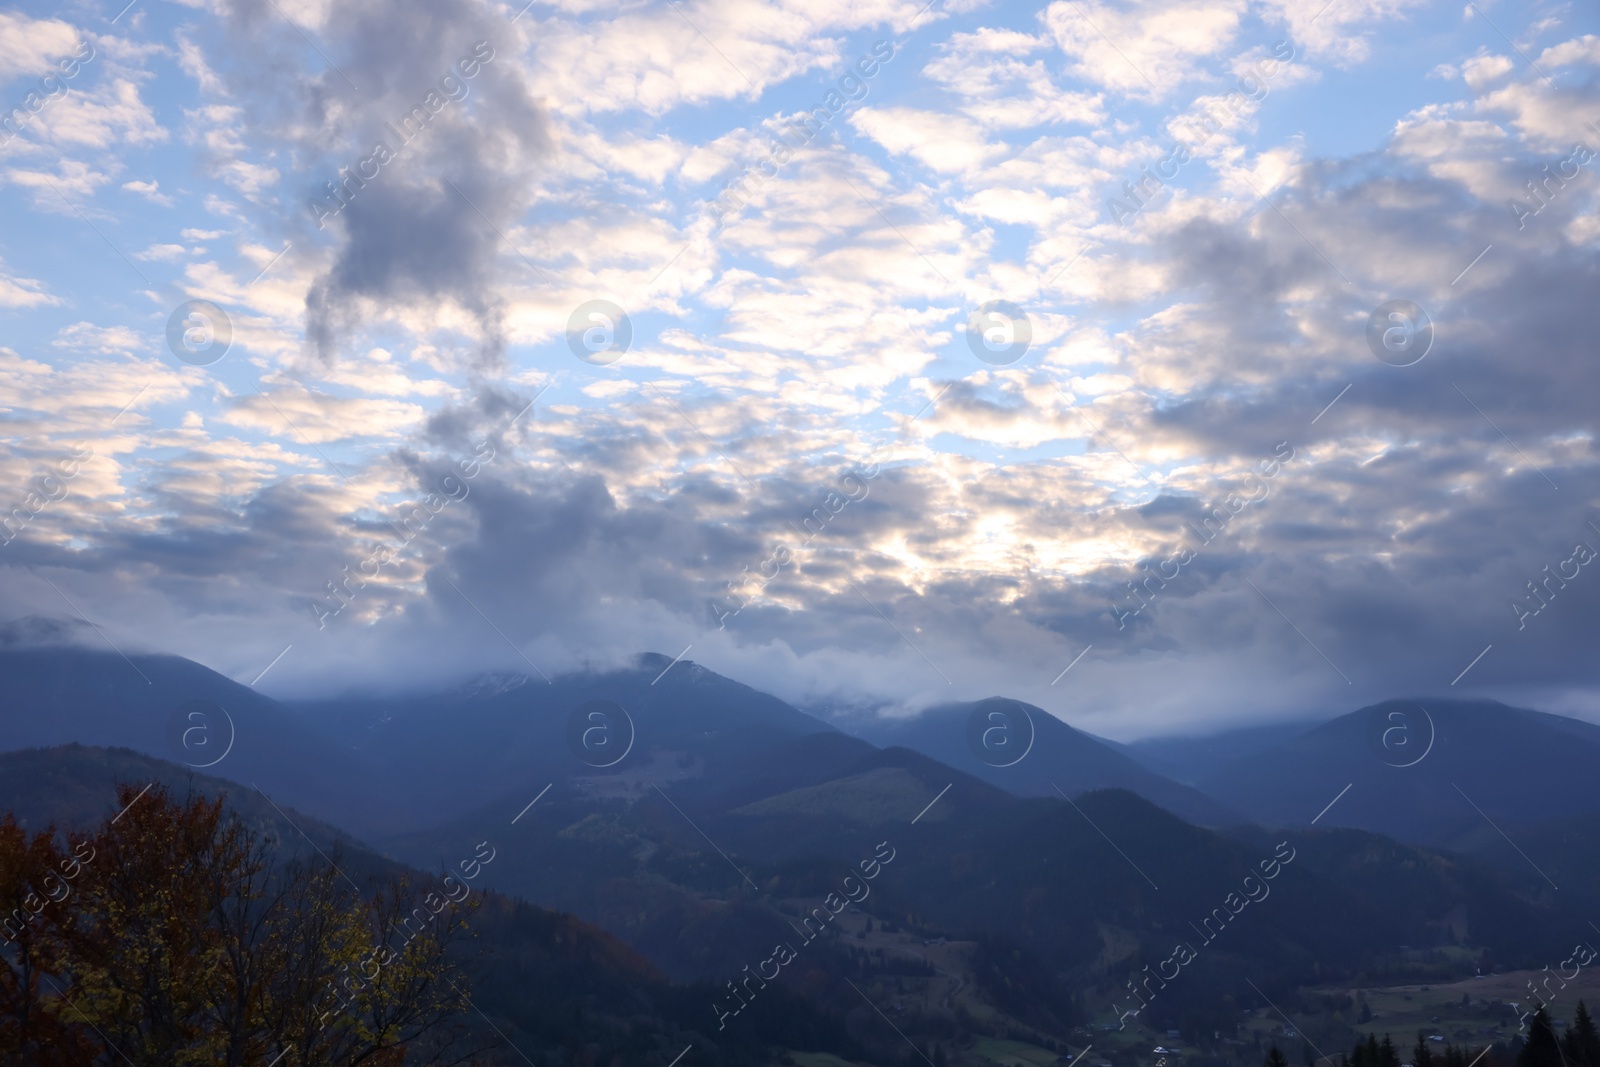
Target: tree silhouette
[[1541, 1049], [1581, 1043], [1276, 1058]]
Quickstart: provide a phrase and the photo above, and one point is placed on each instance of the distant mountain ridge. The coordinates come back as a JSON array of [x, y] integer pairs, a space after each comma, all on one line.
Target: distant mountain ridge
[[58, 694], [1187, 759], [388, 764], [1057, 758], [1421, 770], [381, 764]]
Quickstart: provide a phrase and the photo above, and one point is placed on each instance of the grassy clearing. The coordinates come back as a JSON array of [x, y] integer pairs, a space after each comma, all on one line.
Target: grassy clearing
[[819, 1059], [989, 1050]]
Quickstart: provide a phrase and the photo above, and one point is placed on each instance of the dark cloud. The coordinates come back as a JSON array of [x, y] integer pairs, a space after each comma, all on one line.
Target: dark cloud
[[427, 228]]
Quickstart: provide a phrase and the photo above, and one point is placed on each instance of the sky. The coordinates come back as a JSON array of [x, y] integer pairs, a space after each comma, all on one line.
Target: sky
[[1169, 364]]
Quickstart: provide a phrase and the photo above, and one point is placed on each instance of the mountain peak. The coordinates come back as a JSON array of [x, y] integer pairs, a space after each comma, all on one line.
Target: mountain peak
[[655, 663], [492, 684]]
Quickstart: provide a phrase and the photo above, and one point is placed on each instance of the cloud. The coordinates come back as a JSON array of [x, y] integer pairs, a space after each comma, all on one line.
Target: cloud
[[424, 228], [54, 192], [30, 46], [162, 253], [18, 292], [151, 191], [1017, 512], [110, 112], [101, 340], [1144, 49], [320, 418], [939, 141]]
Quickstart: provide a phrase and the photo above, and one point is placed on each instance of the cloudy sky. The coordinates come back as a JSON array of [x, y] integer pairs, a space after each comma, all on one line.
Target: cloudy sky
[[873, 349]]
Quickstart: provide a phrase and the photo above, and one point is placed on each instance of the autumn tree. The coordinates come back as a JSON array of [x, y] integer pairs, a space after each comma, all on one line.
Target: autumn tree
[[188, 940], [35, 877]]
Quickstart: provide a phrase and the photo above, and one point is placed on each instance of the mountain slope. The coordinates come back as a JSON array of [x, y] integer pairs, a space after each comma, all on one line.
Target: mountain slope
[[697, 876], [383, 764], [1059, 756], [1425, 771], [438, 756], [547, 983], [174, 709], [1189, 759]]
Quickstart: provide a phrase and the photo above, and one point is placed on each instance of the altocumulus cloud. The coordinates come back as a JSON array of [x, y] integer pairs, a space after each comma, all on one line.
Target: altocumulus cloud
[[825, 328]]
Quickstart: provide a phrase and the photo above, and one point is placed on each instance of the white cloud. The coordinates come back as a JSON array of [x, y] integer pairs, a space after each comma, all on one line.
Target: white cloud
[[151, 191], [108, 113], [19, 292], [941, 142], [162, 253], [297, 414], [101, 340], [30, 46], [74, 179], [1146, 48]]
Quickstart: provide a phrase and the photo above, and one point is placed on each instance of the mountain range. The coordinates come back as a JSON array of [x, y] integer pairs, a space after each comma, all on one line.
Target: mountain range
[[1036, 869]]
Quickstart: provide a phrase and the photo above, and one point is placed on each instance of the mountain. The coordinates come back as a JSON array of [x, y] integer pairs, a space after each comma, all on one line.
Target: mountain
[[545, 982], [1564, 850], [1188, 759], [437, 756], [60, 692], [386, 764], [700, 822], [638, 860], [73, 787], [1426, 771], [382, 764], [699, 872], [1027, 751]]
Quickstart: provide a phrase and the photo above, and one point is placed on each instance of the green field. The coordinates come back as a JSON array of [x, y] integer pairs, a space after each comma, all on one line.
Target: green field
[[819, 1059], [989, 1050]]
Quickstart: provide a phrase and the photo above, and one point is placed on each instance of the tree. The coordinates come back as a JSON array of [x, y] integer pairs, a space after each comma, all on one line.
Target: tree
[[1276, 1058], [34, 877], [1366, 1052], [1581, 1043], [1422, 1056], [1541, 1049], [184, 940]]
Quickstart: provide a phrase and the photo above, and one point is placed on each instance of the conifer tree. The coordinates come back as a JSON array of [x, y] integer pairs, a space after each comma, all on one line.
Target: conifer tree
[[1581, 1044], [1541, 1049]]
